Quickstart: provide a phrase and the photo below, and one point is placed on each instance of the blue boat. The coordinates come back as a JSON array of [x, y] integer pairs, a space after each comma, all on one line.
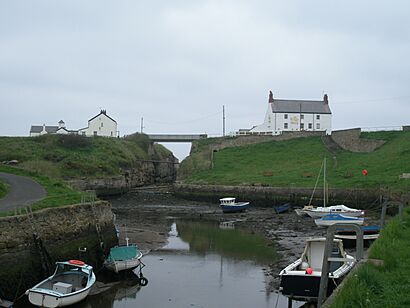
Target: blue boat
[[282, 208], [229, 205], [331, 219], [348, 236]]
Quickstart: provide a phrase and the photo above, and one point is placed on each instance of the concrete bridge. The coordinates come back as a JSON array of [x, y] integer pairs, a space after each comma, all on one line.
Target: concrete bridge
[[175, 137]]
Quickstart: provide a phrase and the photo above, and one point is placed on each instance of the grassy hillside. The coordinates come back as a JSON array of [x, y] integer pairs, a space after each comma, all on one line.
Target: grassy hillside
[[59, 156], [298, 161]]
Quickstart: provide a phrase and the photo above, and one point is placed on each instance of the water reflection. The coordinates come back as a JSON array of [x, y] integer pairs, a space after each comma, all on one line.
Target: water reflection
[[199, 267], [237, 244]]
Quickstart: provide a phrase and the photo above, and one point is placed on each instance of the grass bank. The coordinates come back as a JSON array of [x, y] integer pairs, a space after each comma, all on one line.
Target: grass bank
[[58, 193], [297, 162], [72, 156], [387, 285]]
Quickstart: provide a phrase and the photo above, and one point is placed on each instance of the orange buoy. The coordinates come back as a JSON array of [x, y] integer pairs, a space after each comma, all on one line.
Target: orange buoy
[[76, 262]]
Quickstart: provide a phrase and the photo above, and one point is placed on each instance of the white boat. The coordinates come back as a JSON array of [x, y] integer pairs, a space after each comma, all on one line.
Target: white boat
[[317, 212], [123, 258], [229, 205], [303, 211], [331, 219], [301, 279], [70, 284]]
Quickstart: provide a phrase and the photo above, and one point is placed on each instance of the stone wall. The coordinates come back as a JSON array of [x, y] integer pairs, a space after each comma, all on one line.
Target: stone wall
[[349, 139], [269, 196], [25, 260]]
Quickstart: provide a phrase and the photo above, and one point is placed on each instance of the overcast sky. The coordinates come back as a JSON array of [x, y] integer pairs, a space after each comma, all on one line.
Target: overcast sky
[[176, 63]]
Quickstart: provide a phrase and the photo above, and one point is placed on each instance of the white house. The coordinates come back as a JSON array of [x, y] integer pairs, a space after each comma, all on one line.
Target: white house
[[38, 130], [294, 115], [100, 125]]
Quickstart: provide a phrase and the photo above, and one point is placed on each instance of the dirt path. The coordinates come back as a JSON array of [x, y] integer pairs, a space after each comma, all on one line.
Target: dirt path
[[23, 191]]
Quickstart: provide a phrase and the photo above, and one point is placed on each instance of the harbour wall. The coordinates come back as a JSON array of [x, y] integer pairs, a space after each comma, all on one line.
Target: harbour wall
[[31, 244], [268, 196]]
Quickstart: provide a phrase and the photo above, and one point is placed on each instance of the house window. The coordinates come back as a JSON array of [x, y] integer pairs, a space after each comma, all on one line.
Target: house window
[[102, 124], [285, 116], [318, 117], [317, 125], [285, 125], [95, 133], [302, 116], [310, 126], [83, 133], [302, 126]]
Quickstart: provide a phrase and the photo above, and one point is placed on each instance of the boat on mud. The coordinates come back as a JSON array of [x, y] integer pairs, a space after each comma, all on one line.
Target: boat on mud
[[331, 219], [300, 280], [317, 212], [229, 205], [282, 208], [70, 284]]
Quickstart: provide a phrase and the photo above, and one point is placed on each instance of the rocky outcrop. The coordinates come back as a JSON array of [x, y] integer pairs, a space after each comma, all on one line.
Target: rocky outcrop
[[29, 245], [146, 173]]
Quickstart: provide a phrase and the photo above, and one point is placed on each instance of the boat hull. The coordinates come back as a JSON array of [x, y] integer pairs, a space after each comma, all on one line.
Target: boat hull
[[126, 265], [41, 299], [327, 223], [238, 207], [303, 287]]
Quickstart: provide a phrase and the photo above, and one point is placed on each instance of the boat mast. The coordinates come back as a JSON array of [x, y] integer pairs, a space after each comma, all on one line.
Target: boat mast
[[324, 182]]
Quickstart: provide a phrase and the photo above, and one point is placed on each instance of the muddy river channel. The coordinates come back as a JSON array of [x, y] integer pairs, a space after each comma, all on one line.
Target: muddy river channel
[[199, 257]]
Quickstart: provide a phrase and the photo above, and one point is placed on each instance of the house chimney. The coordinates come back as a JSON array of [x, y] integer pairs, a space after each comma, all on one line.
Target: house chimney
[[270, 97], [325, 99]]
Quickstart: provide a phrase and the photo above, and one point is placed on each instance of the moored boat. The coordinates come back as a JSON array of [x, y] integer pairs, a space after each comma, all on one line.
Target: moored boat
[[122, 258], [348, 236], [70, 284], [331, 219], [229, 205], [317, 212], [301, 279], [282, 208]]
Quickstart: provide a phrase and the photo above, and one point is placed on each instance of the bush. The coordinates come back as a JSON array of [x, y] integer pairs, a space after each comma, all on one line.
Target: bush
[[73, 141]]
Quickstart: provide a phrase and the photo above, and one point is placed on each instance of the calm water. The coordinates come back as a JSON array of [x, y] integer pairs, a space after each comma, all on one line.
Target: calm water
[[201, 266]]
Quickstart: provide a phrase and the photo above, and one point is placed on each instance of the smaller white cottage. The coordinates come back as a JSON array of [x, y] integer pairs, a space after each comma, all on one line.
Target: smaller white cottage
[[100, 125], [38, 130], [294, 115]]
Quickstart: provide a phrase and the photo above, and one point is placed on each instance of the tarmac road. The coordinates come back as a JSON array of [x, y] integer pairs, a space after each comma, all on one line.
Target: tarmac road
[[23, 191]]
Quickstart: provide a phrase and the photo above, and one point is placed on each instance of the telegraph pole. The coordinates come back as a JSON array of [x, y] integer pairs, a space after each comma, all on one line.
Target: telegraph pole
[[223, 120], [142, 124]]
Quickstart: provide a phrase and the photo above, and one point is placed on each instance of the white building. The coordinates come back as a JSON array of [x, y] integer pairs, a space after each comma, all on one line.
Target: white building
[[100, 125], [294, 115], [38, 130]]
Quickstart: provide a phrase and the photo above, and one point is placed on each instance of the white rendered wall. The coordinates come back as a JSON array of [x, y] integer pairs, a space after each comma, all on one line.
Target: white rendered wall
[[275, 122], [102, 125]]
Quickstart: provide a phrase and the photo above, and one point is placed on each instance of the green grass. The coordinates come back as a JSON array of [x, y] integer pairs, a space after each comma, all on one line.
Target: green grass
[[66, 157], [387, 285], [58, 193], [297, 162], [3, 189]]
